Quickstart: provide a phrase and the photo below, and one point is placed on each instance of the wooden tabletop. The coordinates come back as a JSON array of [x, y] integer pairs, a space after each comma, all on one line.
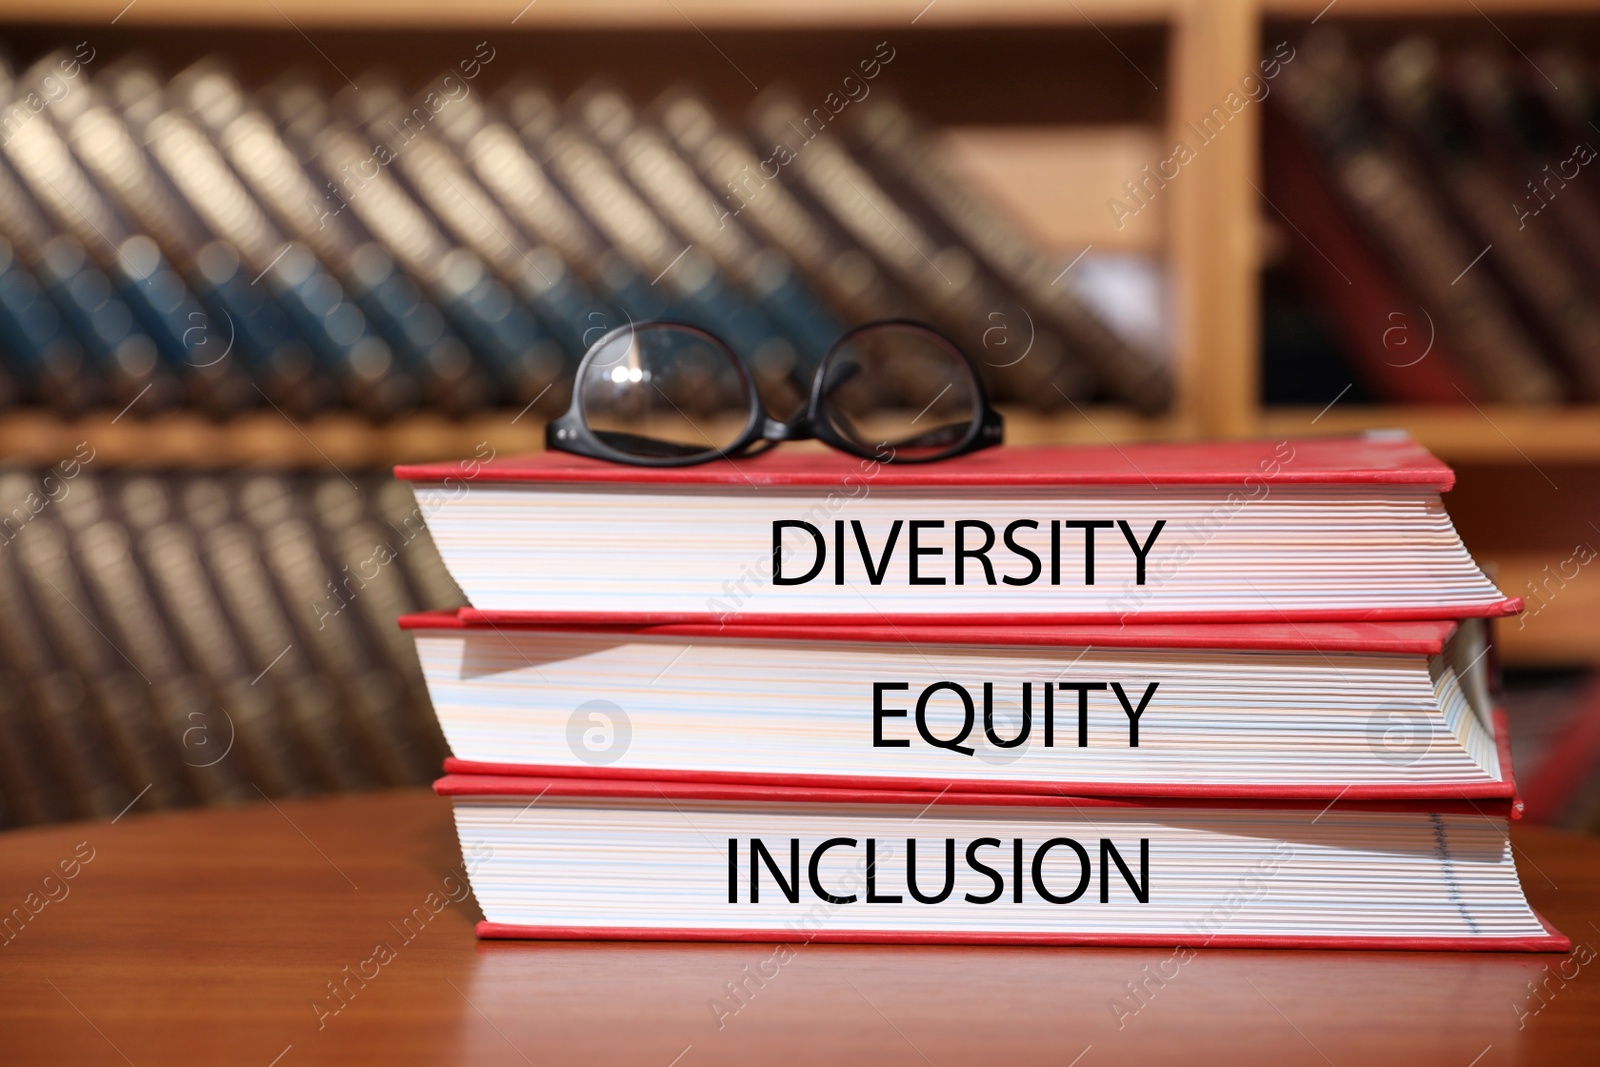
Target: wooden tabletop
[[211, 937]]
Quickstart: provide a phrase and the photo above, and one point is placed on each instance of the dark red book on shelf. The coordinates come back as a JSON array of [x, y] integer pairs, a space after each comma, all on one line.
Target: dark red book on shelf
[[1325, 529], [1312, 710], [567, 858], [1390, 340]]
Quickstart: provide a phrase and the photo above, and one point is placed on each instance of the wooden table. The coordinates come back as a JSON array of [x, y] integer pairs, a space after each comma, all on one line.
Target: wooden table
[[211, 937]]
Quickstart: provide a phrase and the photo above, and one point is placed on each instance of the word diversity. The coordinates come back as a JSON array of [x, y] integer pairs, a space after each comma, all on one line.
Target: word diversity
[[875, 562]]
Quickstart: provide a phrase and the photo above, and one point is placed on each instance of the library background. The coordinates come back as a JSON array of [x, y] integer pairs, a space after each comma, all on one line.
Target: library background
[[252, 257]]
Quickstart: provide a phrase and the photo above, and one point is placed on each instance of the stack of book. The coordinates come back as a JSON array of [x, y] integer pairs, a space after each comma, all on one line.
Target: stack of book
[[1234, 694]]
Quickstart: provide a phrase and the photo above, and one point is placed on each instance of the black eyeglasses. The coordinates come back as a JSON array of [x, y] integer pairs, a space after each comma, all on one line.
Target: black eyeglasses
[[666, 394]]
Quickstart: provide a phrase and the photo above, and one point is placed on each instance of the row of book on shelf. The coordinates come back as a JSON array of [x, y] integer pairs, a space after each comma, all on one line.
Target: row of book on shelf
[[187, 241], [178, 639], [1441, 215], [1237, 694]]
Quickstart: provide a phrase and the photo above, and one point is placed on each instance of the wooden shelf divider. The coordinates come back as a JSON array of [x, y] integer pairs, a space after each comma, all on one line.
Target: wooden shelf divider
[[348, 442], [1506, 434], [260, 440]]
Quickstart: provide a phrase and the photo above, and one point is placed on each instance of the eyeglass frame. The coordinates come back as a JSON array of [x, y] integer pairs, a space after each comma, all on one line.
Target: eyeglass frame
[[570, 432]]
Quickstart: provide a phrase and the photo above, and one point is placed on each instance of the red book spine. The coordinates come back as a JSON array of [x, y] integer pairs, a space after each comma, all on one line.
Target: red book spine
[[1508, 606], [1424, 637], [1315, 461], [1552, 941]]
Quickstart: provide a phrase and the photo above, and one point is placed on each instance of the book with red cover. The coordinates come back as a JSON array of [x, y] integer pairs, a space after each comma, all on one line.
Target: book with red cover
[[1345, 460], [1420, 636], [1314, 710], [652, 860], [1323, 529]]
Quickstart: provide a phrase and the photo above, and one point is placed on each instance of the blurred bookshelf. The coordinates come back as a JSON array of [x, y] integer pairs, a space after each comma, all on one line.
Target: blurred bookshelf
[[1528, 473], [1044, 108], [1032, 97], [1018, 123], [1208, 229]]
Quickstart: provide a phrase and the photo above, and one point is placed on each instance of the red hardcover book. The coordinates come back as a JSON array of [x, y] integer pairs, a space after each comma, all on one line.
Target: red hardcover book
[[1312, 710], [565, 858], [1321, 529]]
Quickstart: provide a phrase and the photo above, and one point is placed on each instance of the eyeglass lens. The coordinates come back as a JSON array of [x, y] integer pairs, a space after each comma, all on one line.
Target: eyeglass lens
[[899, 386], [659, 390]]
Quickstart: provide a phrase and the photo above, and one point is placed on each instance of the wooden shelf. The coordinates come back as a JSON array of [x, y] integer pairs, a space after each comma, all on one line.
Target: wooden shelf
[[262, 440], [348, 442], [1502, 435], [1490, 433], [741, 14], [598, 14], [1412, 9], [1558, 629], [1101, 425]]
